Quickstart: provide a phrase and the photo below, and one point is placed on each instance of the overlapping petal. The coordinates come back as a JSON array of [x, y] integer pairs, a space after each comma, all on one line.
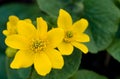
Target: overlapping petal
[[65, 48], [23, 59], [41, 27], [12, 21], [80, 26], [82, 37], [26, 29], [80, 46], [42, 64], [16, 41], [55, 36], [55, 58], [64, 19]]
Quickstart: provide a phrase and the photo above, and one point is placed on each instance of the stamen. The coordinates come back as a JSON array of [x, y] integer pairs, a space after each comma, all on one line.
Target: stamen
[[38, 45], [68, 36]]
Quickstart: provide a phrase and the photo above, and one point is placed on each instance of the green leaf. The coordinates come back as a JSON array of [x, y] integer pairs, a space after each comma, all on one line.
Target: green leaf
[[114, 49], [11, 73], [71, 65], [103, 17], [16, 73], [86, 74], [51, 7], [21, 10], [2, 66], [24, 73]]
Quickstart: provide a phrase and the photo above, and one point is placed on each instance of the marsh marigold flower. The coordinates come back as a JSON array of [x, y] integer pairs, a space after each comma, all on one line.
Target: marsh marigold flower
[[12, 25], [74, 33], [36, 46]]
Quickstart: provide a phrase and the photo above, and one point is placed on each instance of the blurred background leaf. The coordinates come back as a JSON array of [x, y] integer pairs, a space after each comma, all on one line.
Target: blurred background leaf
[[2, 66], [114, 48], [16, 73], [87, 74], [103, 17]]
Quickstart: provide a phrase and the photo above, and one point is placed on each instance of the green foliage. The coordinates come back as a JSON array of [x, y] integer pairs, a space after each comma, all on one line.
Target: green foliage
[[2, 66], [86, 74], [16, 74], [103, 17], [114, 48]]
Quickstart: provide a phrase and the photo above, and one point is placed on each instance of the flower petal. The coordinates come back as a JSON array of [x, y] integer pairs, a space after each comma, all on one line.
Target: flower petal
[[23, 59], [28, 20], [64, 19], [5, 32], [65, 48], [25, 28], [82, 37], [42, 64], [80, 46], [16, 41], [55, 58], [80, 26], [13, 20], [55, 36], [42, 27]]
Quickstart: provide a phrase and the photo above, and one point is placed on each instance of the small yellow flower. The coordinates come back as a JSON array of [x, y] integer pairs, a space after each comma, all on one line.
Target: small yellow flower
[[12, 25], [36, 46], [74, 35]]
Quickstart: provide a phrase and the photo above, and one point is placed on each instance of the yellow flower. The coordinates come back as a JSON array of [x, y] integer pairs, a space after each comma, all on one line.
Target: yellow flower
[[36, 46], [12, 25], [74, 35]]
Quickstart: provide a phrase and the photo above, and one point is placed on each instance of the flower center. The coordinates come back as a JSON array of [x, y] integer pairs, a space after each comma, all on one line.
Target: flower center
[[38, 45], [68, 36]]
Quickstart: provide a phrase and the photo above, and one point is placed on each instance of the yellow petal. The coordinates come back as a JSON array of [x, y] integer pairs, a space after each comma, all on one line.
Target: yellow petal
[[23, 59], [42, 64], [13, 19], [16, 41], [26, 29], [80, 46], [64, 19], [80, 26], [65, 48], [55, 58], [5, 32], [82, 37], [41, 26], [28, 20], [55, 36]]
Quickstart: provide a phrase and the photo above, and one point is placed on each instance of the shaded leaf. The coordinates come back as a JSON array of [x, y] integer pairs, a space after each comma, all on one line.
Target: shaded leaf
[[2, 66], [103, 17], [114, 49], [16, 73], [50, 6], [86, 74]]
